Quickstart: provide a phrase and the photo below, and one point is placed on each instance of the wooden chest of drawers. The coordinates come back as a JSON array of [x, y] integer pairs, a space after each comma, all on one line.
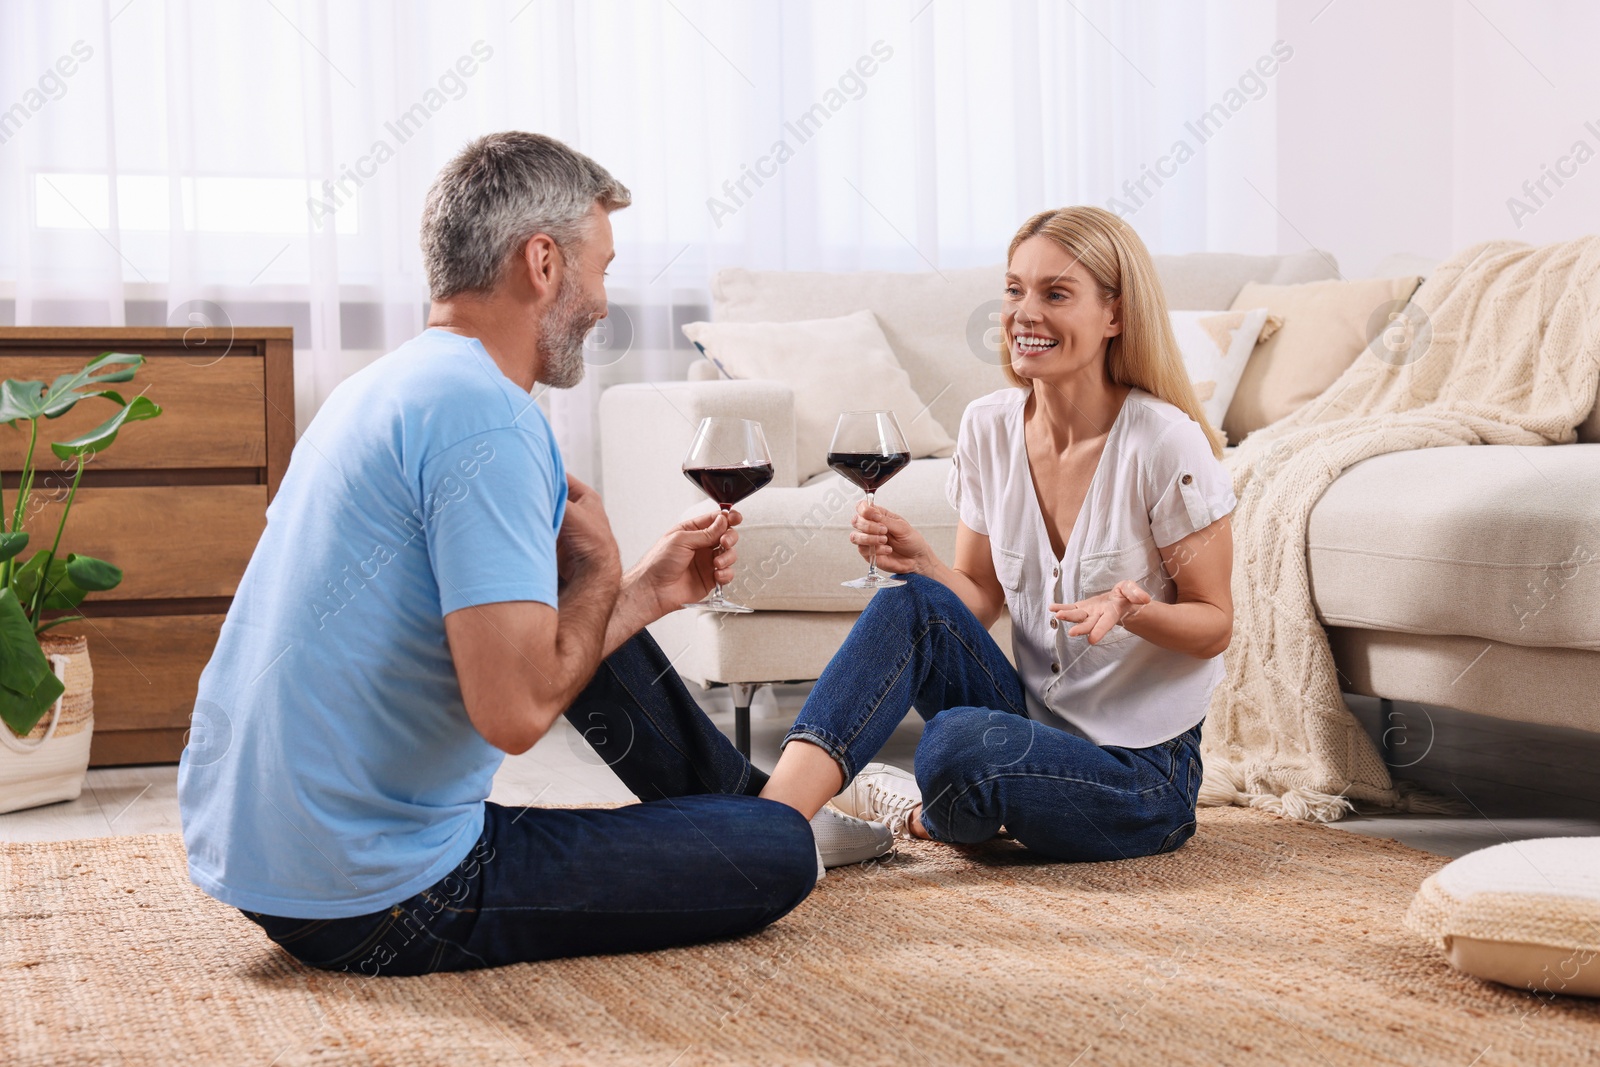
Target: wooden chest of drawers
[[177, 502]]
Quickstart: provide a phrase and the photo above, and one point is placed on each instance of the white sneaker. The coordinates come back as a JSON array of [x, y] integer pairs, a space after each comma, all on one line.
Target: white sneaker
[[883, 794], [842, 839]]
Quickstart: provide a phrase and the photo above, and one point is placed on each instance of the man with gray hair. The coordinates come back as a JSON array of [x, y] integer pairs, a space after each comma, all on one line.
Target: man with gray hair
[[431, 592]]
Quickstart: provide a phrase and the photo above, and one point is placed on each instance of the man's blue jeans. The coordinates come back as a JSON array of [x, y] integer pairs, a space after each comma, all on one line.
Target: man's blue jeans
[[702, 858], [982, 763]]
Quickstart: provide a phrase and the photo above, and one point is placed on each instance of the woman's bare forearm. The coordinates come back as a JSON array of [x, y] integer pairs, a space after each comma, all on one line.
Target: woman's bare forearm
[[963, 586], [1194, 627]]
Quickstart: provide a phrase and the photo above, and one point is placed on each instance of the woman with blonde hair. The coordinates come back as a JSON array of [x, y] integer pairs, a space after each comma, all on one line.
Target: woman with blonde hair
[[1093, 506]]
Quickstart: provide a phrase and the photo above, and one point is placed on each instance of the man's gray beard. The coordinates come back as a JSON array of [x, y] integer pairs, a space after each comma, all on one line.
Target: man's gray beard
[[561, 337]]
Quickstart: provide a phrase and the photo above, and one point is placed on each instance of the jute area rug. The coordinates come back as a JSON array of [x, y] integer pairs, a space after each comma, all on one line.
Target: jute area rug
[[1260, 941]]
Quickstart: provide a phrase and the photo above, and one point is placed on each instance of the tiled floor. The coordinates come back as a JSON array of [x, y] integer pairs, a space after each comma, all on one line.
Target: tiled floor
[[1515, 781]]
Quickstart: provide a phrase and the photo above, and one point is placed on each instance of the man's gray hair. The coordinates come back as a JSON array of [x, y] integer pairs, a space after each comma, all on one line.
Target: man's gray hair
[[501, 190]]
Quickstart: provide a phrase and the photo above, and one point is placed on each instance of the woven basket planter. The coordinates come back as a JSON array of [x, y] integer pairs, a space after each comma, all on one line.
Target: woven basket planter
[[49, 764]]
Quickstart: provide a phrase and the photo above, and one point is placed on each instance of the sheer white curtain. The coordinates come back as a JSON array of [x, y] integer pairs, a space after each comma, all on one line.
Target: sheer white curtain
[[262, 163]]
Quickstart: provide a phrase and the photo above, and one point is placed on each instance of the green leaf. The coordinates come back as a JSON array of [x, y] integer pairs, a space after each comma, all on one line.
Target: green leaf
[[19, 400], [60, 592], [11, 544], [136, 410], [25, 579], [27, 684], [45, 692], [94, 575], [35, 400]]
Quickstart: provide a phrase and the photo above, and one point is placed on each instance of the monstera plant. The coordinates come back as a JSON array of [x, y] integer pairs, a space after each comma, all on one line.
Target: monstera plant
[[50, 580]]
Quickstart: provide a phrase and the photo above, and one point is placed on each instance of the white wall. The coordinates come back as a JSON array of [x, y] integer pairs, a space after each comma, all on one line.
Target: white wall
[[1407, 127]]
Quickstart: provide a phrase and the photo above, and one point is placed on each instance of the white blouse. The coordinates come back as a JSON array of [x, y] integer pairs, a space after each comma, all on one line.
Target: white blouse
[[1156, 482]]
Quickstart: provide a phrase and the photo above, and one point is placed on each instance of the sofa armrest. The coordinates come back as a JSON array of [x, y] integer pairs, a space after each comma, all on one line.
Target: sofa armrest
[[645, 431]]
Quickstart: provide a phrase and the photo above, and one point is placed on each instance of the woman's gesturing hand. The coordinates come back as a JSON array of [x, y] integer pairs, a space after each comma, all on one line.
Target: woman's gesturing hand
[[879, 534], [1096, 615]]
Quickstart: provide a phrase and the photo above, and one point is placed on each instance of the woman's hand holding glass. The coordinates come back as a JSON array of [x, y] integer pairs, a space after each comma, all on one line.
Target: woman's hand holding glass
[[1096, 615], [869, 449], [884, 538]]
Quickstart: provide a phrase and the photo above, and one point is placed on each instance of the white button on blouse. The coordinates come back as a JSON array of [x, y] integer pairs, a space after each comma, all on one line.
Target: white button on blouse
[[1156, 482]]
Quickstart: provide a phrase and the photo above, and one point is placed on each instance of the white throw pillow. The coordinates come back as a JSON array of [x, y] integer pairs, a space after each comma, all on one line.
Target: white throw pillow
[[833, 365], [1216, 345]]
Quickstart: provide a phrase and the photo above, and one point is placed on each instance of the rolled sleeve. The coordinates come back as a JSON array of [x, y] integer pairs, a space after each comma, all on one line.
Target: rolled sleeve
[[492, 507], [963, 487], [1188, 485]]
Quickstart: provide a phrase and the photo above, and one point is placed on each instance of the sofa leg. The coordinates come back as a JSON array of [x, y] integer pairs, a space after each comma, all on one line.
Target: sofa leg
[[744, 694], [1385, 724]]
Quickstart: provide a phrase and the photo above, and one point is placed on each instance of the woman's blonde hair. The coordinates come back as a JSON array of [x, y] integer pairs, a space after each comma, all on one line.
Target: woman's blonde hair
[[1145, 353]]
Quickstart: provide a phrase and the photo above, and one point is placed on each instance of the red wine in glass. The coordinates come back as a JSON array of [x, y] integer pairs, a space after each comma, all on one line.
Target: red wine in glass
[[729, 485], [868, 469], [869, 449], [728, 460]]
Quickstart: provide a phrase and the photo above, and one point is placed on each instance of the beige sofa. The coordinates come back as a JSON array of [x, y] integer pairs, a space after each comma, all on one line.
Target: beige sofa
[[1452, 577]]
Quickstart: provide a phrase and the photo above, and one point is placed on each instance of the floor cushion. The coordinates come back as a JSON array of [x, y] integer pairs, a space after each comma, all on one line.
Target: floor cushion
[[1525, 914]]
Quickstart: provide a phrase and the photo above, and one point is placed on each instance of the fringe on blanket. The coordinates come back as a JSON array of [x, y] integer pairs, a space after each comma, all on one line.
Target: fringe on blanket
[[1223, 784]]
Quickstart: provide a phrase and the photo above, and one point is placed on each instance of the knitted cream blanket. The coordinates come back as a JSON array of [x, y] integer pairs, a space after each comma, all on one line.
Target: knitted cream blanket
[[1514, 359]]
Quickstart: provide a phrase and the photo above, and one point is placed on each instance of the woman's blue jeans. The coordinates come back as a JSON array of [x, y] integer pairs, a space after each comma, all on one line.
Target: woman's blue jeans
[[982, 763], [704, 857]]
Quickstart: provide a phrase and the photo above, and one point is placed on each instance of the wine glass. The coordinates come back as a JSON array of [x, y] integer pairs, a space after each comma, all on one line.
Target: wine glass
[[728, 460], [869, 449]]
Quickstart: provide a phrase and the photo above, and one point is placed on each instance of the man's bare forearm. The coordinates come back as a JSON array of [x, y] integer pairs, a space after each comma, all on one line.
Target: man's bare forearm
[[632, 612], [585, 606]]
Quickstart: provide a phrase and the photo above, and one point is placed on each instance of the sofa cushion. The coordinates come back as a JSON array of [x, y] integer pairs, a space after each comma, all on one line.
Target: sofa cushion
[[1216, 347], [832, 365], [939, 323], [924, 315], [794, 544], [767, 646], [1490, 541], [1325, 327]]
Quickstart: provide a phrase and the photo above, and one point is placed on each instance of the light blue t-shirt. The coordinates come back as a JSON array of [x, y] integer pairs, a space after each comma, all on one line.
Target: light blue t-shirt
[[331, 768]]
